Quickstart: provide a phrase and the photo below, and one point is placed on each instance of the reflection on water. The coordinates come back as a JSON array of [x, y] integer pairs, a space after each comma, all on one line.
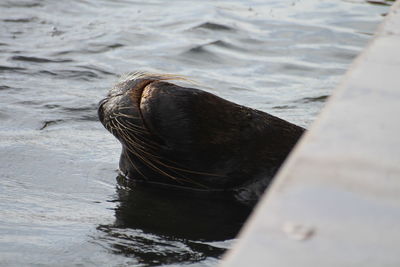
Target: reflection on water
[[159, 226], [58, 202], [188, 215]]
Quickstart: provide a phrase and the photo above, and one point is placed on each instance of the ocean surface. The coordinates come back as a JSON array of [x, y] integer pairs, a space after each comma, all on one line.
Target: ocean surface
[[59, 200]]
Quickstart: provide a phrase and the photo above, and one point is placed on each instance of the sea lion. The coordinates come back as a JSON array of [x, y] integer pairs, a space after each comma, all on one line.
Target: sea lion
[[190, 140]]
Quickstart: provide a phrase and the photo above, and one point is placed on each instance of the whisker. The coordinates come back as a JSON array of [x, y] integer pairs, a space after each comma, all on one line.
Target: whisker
[[134, 166], [154, 167], [136, 138], [133, 140], [140, 145], [137, 130]]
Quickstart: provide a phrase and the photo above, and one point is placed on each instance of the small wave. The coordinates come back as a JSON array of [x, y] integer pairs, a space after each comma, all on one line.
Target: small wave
[[70, 74], [321, 98], [89, 117], [284, 107], [20, 20], [11, 69], [4, 87], [202, 48], [46, 72], [214, 50], [65, 52], [199, 54], [80, 109], [69, 114], [221, 44], [45, 124], [92, 49], [101, 48], [78, 74], [229, 46], [39, 59], [116, 45], [51, 106], [214, 27], [199, 49], [97, 69], [379, 3], [82, 113], [20, 4]]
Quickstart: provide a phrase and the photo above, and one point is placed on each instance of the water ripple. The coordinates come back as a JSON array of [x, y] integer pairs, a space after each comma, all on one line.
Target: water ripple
[[77, 74], [214, 27], [40, 60], [21, 20], [12, 69]]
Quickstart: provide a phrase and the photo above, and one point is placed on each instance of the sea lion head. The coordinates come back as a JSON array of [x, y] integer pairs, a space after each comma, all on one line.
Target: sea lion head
[[189, 138]]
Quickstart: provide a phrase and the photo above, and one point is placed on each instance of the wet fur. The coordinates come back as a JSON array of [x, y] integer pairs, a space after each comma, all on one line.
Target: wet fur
[[188, 138]]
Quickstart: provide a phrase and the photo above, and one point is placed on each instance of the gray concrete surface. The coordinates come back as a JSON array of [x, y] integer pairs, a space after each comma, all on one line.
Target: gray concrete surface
[[336, 202]]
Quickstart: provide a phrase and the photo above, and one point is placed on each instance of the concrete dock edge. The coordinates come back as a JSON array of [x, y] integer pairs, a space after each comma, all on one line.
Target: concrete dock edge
[[336, 201]]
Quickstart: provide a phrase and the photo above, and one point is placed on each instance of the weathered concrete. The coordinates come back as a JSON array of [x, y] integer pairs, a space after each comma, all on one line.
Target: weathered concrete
[[336, 202]]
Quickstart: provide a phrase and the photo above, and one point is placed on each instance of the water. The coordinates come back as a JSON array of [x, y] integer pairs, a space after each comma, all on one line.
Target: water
[[59, 205]]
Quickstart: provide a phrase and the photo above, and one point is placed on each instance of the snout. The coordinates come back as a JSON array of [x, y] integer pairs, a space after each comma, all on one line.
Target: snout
[[100, 109]]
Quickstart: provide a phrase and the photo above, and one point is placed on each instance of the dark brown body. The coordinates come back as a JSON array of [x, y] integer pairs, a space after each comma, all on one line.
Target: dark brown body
[[190, 139]]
